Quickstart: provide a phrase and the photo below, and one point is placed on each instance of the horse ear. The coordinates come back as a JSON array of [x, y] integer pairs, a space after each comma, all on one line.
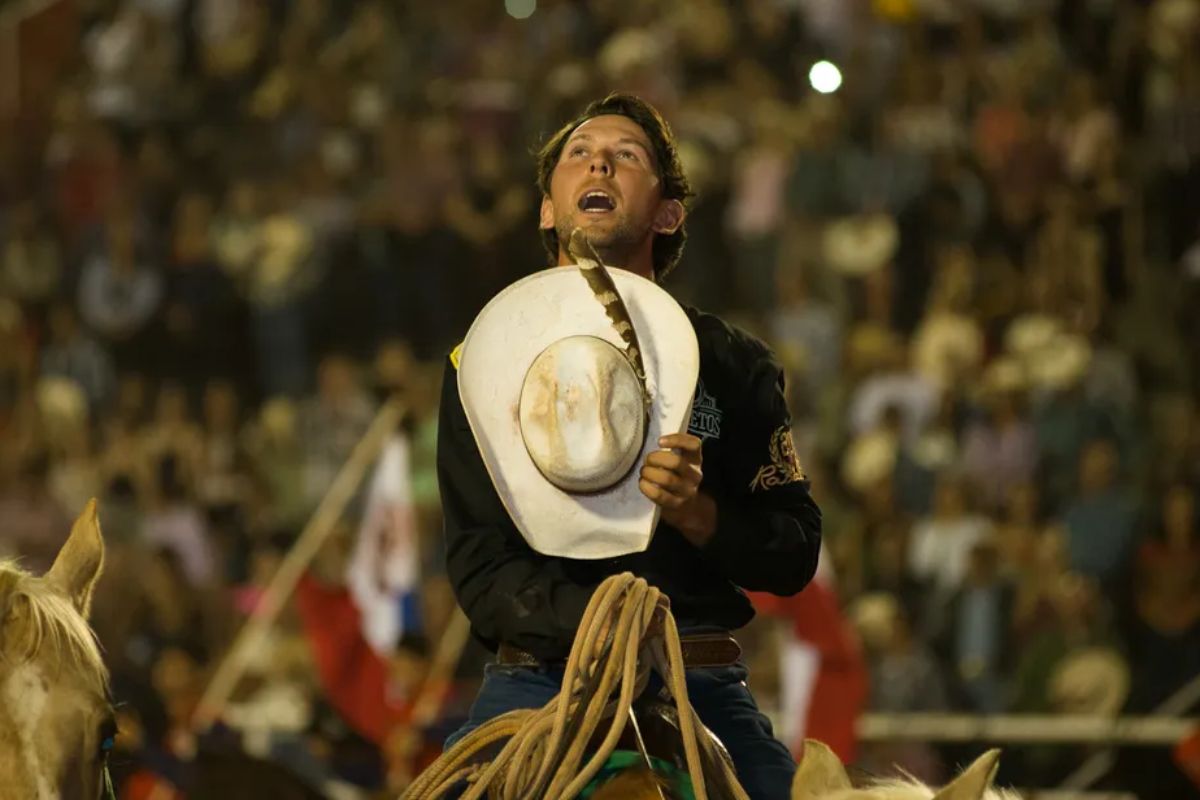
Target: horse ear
[[80, 561], [974, 780], [819, 773]]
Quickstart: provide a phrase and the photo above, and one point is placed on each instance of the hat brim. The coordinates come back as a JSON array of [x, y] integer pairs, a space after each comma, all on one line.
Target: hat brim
[[511, 330]]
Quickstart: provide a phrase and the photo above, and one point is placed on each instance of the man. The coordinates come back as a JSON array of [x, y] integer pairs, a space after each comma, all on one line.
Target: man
[[735, 508]]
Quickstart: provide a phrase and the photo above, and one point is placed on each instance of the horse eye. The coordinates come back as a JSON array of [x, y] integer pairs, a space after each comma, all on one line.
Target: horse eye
[[108, 736]]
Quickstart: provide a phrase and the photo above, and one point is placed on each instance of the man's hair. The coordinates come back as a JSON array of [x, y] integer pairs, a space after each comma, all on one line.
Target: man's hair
[[667, 248]]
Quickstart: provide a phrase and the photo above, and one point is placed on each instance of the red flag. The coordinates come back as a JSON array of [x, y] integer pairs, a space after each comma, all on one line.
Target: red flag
[[353, 676], [823, 674], [1187, 756]]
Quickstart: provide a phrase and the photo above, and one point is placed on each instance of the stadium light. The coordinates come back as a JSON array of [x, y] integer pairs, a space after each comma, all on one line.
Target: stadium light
[[825, 77], [520, 9]]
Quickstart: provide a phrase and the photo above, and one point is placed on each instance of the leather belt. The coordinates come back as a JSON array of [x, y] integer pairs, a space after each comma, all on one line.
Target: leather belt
[[699, 650]]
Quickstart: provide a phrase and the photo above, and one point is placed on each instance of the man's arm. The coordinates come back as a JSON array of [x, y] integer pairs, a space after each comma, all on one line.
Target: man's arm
[[509, 592], [767, 532]]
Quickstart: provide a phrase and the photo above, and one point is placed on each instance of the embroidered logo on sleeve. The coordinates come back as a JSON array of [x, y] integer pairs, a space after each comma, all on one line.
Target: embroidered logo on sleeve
[[706, 416], [785, 463]]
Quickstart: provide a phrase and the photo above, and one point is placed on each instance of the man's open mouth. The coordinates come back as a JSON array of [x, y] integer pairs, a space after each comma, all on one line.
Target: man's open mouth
[[596, 202]]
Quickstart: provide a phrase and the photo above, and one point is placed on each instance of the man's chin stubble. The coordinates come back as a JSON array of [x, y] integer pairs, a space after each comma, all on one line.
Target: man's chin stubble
[[614, 243]]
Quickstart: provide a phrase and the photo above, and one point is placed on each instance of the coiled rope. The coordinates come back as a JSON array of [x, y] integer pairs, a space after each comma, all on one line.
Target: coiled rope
[[545, 749]]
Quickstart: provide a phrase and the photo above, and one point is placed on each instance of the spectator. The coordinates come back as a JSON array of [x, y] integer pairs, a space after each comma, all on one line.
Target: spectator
[[125, 478], [276, 455], [31, 524], [202, 315], [75, 476], [1078, 621], [1000, 451], [30, 259], [1020, 532], [268, 250], [895, 386], [942, 542], [806, 331], [119, 295], [1164, 640], [1168, 580], [487, 208], [1068, 253], [331, 423], [948, 343], [173, 437], [1085, 129], [174, 522], [757, 204], [72, 354], [980, 621], [1078, 628], [905, 677], [1100, 521], [221, 469]]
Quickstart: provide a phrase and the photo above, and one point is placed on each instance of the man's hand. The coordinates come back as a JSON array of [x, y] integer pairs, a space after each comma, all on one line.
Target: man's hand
[[671, 478]]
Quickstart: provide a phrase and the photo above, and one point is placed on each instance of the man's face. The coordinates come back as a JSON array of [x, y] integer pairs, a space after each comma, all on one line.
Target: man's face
[[606, 182]]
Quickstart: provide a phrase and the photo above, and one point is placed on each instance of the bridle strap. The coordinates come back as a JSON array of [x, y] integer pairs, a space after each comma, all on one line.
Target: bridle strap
[[107, 792]]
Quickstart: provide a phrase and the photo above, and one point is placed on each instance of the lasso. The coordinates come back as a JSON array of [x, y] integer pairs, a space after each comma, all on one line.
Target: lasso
[[544, 755]]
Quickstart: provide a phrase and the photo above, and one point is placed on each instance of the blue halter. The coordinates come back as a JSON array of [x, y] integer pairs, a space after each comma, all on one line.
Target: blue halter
[[107, 792]]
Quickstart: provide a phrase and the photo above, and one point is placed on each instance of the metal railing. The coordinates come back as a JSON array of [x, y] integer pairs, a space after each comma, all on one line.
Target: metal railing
[[1026, 728]]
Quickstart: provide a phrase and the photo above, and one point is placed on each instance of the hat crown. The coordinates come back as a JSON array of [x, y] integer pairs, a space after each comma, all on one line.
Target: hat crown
[[581, 414]]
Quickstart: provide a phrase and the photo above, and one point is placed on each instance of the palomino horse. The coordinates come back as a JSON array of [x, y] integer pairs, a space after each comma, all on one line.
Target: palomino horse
[[821, 776], [56, 721]]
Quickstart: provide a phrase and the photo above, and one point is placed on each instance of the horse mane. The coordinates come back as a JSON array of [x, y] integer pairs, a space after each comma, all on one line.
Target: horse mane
[[907, 789], [48, 618]]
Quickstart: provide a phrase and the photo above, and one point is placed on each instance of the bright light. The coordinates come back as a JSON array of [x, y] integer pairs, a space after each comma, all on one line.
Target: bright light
[[520, 9], [825, 77]]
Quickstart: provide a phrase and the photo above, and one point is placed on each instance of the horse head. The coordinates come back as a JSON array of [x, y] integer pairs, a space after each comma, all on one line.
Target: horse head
[[56, 720], [821, 776]]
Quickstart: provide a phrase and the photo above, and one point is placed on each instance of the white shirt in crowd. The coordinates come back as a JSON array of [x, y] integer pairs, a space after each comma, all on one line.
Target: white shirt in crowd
[[940, 548]]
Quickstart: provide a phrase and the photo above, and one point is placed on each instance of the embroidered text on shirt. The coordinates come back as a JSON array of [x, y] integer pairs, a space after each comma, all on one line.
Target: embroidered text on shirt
[[785, 463], [706, 417]]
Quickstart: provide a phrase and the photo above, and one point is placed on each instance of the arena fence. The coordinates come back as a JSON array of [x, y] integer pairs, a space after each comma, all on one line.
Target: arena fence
[[1026, 729]]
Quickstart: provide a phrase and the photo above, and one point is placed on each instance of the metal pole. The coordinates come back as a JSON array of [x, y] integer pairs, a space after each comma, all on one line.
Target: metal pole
[[432, 694]]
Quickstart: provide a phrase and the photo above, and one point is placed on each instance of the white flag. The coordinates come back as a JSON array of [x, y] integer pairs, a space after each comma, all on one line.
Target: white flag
[[385, 564]]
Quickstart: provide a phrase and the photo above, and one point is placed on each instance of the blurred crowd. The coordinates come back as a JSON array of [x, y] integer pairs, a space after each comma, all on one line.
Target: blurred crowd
[[240, 224]]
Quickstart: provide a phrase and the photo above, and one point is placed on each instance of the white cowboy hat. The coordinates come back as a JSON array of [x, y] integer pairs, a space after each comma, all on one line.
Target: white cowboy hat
[[559, 412], [860, 245], [869, 459], [1061, 364], [62, 404], [1092, 680]]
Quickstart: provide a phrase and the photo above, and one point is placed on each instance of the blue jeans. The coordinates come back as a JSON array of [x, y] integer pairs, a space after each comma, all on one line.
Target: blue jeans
[[718, 694]]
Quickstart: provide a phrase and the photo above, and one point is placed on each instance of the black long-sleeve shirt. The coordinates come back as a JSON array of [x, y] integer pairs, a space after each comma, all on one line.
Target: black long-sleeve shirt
[[768, 527]]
